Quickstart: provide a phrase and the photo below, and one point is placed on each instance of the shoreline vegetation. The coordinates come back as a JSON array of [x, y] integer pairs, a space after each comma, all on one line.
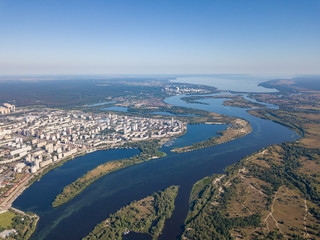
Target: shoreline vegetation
[[147, 215], [239, 128], [148, 150], [233, 101], [275, 116]]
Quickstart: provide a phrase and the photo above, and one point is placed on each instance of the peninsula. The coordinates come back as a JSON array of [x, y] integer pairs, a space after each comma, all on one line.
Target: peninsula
[[238, 128]]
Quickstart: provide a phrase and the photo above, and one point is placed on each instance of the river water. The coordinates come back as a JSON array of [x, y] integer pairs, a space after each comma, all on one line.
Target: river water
[[76, 218]]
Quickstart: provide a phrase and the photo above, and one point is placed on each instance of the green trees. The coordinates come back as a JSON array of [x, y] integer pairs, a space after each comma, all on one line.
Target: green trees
[[148, 149], [147, 215]]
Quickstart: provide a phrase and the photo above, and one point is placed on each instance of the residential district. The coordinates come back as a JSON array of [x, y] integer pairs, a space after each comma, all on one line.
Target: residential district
[[38, 138]]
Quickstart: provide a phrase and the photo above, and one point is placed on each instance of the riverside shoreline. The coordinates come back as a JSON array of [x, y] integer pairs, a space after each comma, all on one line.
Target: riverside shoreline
[[51, 167]]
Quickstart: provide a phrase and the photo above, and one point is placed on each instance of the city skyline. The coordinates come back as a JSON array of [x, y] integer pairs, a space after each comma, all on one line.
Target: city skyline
[[153, 37]]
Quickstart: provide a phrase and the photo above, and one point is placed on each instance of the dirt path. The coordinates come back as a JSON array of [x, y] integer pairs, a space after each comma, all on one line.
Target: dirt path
[[306, 234], [272, 211]]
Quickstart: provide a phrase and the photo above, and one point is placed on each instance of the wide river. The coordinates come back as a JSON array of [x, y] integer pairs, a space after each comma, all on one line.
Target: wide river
[[76, 218]]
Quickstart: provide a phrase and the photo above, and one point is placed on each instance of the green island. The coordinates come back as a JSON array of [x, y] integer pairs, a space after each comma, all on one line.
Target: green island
[[273, 193], [24, 224], [239, 128], [234, 101], [149, 150], [237, 101], [193, 99], [147, 215]]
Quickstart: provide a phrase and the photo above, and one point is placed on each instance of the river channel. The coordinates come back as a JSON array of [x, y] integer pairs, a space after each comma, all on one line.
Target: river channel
[[76, 218]]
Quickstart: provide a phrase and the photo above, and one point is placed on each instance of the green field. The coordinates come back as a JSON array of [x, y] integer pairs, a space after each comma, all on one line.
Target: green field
[[6, 219]]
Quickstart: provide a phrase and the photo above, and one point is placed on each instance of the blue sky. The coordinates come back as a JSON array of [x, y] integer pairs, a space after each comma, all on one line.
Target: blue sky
[[159, 37]]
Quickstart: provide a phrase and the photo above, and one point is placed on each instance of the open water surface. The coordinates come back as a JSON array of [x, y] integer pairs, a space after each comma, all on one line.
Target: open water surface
[[116, 109], [232, 82], [76, 218]]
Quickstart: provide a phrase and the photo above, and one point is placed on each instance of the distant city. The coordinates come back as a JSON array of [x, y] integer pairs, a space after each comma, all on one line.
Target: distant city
[[7, 108]]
